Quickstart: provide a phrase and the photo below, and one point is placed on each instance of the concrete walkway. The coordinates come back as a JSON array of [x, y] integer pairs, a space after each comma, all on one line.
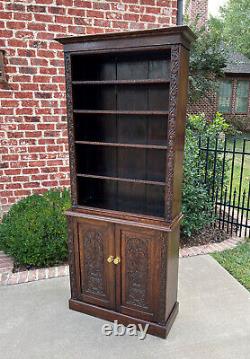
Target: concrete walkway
[[213, 323]]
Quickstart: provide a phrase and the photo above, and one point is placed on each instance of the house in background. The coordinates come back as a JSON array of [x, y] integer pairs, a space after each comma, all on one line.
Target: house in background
[[233, 96]]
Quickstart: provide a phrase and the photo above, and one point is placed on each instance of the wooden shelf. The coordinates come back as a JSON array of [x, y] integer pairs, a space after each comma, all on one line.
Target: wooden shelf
[[129, 145], [123, 82], [120, 179], [113, 112]]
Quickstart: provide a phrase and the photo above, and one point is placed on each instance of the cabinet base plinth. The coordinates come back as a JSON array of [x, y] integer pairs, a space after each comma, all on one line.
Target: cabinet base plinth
[[110, 315]]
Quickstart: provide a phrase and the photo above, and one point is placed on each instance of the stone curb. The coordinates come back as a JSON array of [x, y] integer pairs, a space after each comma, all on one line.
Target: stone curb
[[210, 248], [33, 275], [10, 278]]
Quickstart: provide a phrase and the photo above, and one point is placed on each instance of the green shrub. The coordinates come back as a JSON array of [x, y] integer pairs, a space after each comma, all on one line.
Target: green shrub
[[210, 133], [197, 205], [196, 202], [34, 230], [204, 128]]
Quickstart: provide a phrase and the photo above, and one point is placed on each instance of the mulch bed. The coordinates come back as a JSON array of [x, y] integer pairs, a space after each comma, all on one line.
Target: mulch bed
[[205, 236], [18, 268]]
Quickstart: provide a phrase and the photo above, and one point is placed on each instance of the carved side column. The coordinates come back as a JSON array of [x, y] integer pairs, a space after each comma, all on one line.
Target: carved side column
[[72, 273], [163, 278], [71, 139], [171, 137]]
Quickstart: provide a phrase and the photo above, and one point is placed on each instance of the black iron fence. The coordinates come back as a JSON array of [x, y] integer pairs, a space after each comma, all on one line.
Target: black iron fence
[[224, 165]]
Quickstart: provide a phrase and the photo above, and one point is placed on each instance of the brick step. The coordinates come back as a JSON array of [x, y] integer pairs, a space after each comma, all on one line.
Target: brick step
[[9, 278]]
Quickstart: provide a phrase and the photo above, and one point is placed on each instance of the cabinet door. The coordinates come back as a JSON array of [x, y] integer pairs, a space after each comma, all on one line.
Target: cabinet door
[[97, 275], [138, 273]]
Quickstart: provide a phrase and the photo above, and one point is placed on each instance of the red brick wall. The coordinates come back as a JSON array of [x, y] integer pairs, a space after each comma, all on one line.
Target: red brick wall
[[206, 105], [33, 135], [198, 10]]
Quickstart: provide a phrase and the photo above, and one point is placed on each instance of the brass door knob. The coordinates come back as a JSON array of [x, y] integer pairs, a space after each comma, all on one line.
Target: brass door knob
[[117, 260], [110, 259]]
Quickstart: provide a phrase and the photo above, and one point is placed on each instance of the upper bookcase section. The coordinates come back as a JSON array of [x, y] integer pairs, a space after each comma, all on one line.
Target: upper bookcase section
[[112, 42]]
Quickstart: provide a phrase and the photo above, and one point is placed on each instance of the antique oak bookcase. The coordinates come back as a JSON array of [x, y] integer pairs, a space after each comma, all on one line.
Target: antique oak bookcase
[[126, 103]]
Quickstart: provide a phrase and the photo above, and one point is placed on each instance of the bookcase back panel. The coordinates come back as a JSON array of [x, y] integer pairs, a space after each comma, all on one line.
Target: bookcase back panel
[[94, 97], [93, 68], [121, 196], [150, 130], [121, 66], [147, 69], [123, 97], [143, 97], [133, 163]]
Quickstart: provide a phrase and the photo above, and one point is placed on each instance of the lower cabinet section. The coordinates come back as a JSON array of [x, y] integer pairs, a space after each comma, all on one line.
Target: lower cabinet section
[[124, 272]]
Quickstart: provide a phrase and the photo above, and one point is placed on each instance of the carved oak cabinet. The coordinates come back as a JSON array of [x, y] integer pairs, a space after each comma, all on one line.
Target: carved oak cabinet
[[126, 103]]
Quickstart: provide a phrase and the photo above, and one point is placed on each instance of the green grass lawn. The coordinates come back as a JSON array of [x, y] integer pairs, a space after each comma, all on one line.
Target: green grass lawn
[[237, 262], [238, 162]]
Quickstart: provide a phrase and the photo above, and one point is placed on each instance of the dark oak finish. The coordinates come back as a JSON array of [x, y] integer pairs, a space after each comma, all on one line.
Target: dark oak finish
[[96, 241], [126, 103], [139, 271]]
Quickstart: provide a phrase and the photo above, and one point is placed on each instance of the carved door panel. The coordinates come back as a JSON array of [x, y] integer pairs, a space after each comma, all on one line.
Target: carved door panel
[[138, 273], [97, 275]]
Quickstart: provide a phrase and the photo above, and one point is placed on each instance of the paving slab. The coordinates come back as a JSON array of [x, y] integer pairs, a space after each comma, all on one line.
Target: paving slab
[[213, 322]]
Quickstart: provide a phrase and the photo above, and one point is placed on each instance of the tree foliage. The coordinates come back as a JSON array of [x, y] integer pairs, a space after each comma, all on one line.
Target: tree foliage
[[208, 54], [233, 25], [207, 59]]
